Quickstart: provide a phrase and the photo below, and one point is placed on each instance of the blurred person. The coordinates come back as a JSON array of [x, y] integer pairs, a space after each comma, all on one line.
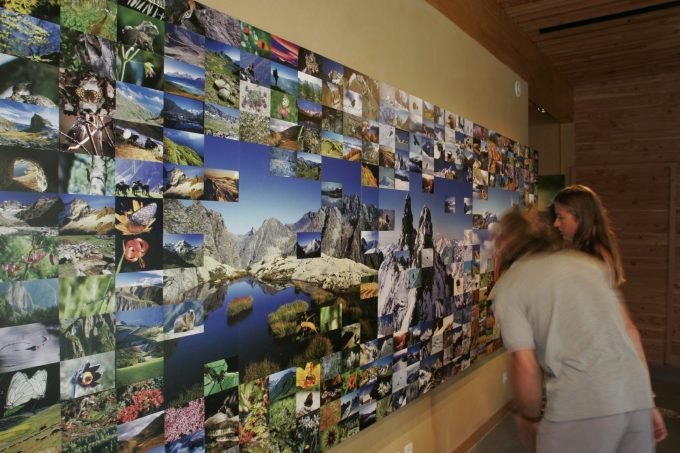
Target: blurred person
[[583, 222], [559, 317]]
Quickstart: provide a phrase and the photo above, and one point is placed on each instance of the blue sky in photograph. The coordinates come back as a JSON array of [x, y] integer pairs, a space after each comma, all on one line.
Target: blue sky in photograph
[[145, 317], [190, 172], [94, 201], [179, 68], [148, 278], [305, 238], [190, 139], [218, 47], [195, 239], [25, 197], [221, 153], [262, 196], [342, 171], [21, 113], [192, 105], [152, 100], [446, 225], [499, 201]]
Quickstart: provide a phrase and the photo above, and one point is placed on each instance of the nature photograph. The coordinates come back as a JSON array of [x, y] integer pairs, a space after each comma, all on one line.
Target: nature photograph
[[140, 31], [283, 163], [86, 214], [183, 78], [87, 175], [182, 250], [284, 79], [185, 45], [351, 149], [255, 40], [28, 345], [332, 120], [222, 420], [309, 87], [284, 134], [308, 166], [221, 121], [28, 302], [87, 54], [139, 290], [84, 255], [220, 375], [222, 73], [86, 296], [139, 399], [30, 411], [183, 113], [96, 17], [221, 185], [181, 320], [255, 99], [331, 193], [82, 417], [139, 67], [284, 51], [24, 125], [283, 106], [308, 245], [25, 213], [182, 181], [29, 37], [331, 95], [138, 178], [386, 178], [87, 336], [137, 327], [183, 148], [352, 103], [87, 375], [28, 257], [331, 144], [139, 363], [144, 434], [28, 81], [138, 141], [138, 104], [255, 69]]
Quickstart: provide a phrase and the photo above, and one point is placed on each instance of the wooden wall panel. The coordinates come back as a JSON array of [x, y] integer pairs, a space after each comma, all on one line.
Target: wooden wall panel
[[628, 150]]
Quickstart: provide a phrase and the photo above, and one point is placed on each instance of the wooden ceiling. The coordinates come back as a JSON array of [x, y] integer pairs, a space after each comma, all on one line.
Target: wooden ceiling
[[595, 40]]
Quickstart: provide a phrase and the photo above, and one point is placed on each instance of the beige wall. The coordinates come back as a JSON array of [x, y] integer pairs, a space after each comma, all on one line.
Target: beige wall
[[408, 44]]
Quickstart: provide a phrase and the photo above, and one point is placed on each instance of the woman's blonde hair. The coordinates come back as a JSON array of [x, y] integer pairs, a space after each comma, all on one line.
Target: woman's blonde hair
[[594, 234], [520, 233]]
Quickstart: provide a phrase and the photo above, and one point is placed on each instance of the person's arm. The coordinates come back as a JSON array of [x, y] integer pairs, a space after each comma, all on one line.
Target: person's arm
[[527, 384]]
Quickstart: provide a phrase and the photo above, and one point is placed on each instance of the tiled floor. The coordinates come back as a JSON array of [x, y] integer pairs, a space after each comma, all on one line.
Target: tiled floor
[[666, 384]]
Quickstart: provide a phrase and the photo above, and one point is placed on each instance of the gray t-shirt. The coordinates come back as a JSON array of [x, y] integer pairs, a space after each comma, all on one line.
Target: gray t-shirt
[[562, 306]]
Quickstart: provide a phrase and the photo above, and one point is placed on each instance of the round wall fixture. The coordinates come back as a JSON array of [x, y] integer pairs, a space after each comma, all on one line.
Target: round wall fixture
[[518, 88]]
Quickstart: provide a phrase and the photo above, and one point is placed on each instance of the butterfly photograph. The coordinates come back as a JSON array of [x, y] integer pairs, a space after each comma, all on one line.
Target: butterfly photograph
[[29, 410]]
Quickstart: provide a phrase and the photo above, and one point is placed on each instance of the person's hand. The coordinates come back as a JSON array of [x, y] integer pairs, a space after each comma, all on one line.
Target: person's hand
[[660, 431], [526, 431]]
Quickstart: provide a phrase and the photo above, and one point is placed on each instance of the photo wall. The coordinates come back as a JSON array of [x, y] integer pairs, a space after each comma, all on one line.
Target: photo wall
[[214, 239]]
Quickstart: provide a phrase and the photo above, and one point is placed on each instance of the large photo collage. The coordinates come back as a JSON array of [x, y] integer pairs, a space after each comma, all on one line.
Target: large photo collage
[[213, 239]]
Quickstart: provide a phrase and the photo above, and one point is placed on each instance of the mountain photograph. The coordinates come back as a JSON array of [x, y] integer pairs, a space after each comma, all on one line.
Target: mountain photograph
[[182, 250], [84, 214], [28, 126], [138, 104]]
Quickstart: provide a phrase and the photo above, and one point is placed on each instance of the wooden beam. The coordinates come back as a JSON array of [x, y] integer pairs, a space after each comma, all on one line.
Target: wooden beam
[[488, 24]]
